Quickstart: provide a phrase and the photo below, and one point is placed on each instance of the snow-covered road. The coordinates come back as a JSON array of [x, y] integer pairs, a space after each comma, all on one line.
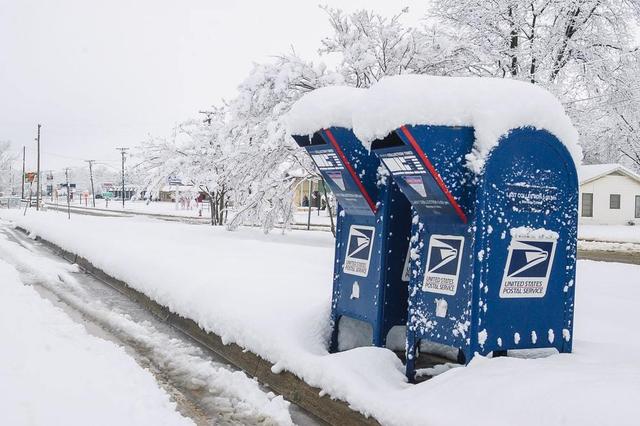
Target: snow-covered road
[[202, 387]]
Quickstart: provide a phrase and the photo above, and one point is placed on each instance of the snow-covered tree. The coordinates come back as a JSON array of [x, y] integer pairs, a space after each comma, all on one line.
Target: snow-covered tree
[[373, 46], [578, 49], [8, 174], [264, 154], [196, 154]]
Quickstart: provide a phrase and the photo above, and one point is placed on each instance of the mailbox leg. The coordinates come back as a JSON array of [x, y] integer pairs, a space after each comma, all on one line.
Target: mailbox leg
[[333, 343], [464, 356], [410, 355], [379, 336]]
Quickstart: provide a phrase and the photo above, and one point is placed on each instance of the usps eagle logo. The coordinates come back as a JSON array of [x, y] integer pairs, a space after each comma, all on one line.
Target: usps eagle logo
[[443, 264], [359, 248], [528, 268]]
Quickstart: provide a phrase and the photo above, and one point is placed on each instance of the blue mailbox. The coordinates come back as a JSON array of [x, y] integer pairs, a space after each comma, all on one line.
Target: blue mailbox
[[493, 251], [493, 256], [372, 234]]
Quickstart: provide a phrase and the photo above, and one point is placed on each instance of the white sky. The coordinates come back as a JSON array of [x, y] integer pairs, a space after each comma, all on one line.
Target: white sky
[[101, 74]]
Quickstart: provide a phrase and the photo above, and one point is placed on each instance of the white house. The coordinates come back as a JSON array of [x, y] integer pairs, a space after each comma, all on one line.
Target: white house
[[609, 195]]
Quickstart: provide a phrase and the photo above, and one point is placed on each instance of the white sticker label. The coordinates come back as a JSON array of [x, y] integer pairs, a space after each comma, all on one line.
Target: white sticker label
[[441, 308], [326, 159], [359, 250], [404, 162], [528, 267], [443, 264]]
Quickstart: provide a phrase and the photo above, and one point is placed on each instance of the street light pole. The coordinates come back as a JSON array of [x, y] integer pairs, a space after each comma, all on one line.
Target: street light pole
[[66, 175], [38, 189], [23, 171], [123, 152], [93, 195]]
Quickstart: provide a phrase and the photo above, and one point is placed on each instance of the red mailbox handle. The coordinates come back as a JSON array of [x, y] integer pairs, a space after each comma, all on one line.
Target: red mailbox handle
[[352, 172], [434, 173]]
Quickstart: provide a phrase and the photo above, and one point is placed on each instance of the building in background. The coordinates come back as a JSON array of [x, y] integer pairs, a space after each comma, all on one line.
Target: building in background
[[609, 195]]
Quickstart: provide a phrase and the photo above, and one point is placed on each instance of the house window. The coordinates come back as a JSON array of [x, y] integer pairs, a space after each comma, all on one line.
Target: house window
[[614, 201], [587, 205], [637, 215]]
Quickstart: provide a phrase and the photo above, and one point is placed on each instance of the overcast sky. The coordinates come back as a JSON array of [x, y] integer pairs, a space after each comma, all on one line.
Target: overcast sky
[[102, 74]]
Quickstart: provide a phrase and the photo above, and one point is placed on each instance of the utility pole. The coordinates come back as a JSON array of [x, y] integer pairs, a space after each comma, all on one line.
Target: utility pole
[[23, 171], [123, 151], [93, 195], [39, 187], [66, 175]]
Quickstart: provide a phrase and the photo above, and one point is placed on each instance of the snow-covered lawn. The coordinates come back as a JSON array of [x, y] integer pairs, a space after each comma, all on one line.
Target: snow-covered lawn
[[173, 209], [271, 295], [53, 372], [156, 207], [610, 233]]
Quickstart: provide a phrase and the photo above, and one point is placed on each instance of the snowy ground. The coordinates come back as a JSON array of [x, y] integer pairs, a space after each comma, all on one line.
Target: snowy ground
[[156, 207], [53, 372], [631, 248], [610, 233], [271, 295]]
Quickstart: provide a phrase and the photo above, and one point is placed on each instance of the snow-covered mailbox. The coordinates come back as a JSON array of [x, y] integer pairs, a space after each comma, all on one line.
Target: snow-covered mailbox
[[372, 233], [488, 166]]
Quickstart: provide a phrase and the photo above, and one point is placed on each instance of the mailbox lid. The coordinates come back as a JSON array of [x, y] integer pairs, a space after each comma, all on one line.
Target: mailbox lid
[[428, 164], [345, 183], [361, 164]]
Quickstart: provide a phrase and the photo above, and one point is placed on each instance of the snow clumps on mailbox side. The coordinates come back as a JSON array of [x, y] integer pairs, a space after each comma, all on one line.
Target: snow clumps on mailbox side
[[322, 108], [492, 106]]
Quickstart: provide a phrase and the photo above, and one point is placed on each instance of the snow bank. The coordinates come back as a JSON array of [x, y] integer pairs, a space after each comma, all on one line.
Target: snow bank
[[53, 372], [492, 106], [322, 108], [610, 233], [271, 294]]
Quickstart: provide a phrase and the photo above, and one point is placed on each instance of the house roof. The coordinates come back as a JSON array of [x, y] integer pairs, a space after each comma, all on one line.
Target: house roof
[[588, 173]]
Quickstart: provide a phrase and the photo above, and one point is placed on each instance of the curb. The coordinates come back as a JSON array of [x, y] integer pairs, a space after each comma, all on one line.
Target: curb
[[632, 258], [292, 388]]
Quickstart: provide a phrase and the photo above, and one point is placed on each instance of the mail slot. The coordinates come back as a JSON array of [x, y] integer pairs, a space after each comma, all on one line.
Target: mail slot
[[373, 222]]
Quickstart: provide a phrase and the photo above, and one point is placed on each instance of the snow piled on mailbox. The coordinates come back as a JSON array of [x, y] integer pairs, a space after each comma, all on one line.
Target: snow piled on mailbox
[[492, 106], [322, 108]]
